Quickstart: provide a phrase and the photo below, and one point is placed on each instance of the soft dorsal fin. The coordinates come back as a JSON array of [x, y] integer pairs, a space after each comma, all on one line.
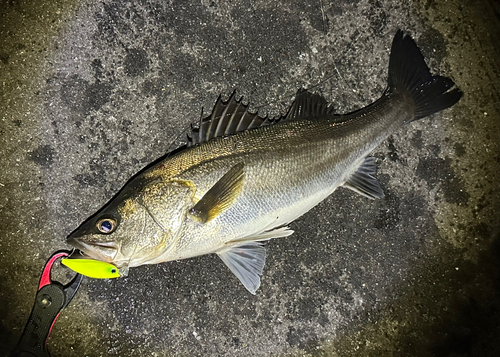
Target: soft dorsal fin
[[308, 105], [232, 116]]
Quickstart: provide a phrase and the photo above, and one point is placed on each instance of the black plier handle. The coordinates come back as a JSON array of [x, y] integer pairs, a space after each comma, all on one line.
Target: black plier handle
[[51, 298]]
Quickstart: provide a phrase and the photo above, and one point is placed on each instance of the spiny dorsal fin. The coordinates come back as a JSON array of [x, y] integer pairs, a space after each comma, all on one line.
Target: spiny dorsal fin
[[227, 118], [308, 105], [232, 116]]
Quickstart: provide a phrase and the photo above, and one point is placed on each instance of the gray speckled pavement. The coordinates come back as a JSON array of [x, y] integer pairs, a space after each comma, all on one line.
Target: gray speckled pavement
[[92, 91]]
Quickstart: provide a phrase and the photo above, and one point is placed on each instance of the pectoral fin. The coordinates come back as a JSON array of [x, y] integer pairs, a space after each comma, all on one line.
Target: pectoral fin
[[246, 262], [363, 182], [220, 196]]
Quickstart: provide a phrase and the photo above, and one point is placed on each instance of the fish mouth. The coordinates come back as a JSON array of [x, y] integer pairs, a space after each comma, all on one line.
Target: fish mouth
[[104, 251]]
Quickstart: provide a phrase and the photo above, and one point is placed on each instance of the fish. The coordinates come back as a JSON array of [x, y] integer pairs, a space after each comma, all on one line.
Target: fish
[[243, 178]]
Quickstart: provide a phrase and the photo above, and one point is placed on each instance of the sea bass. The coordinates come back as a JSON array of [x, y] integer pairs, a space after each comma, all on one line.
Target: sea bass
[[243, 178]]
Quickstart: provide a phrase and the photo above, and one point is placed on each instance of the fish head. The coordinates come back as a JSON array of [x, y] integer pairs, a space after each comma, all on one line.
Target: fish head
[[138, 226]]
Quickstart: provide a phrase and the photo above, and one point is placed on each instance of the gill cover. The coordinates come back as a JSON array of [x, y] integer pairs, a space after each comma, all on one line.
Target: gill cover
[[166, 203]]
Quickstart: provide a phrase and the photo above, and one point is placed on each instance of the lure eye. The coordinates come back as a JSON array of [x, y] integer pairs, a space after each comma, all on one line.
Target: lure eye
[[106, 225]]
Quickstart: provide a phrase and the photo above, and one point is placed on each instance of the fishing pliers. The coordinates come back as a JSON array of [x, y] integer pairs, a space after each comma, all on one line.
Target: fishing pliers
[[51, 298]]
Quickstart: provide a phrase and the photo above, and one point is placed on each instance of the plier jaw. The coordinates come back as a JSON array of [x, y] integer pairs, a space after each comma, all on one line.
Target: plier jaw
[[51, 298]]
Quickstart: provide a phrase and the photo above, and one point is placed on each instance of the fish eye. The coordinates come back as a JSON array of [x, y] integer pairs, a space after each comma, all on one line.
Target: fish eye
[[106, 225], [113, 270]]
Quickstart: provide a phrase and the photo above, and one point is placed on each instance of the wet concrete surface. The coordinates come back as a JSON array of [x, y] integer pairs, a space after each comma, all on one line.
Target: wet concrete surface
[[91, 92]]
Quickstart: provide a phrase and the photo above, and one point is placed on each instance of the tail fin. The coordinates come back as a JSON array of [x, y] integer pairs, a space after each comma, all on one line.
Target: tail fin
[[408, 73]]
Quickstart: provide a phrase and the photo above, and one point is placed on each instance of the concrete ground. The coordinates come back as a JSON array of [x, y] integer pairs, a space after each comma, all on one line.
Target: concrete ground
[[92, 91]]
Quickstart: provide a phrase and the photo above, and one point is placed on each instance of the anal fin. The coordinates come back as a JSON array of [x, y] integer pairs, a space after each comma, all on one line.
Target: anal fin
[[246, 261], [363, 182]]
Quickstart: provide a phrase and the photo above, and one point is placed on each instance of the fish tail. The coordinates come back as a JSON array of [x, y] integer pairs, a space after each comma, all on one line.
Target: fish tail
[[410, 76]]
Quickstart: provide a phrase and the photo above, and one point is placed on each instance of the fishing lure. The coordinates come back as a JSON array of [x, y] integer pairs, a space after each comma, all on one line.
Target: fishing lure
[[92, 268]]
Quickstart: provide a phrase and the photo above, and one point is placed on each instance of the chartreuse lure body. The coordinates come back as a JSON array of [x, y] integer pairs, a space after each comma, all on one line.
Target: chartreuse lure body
[[92, 268]]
